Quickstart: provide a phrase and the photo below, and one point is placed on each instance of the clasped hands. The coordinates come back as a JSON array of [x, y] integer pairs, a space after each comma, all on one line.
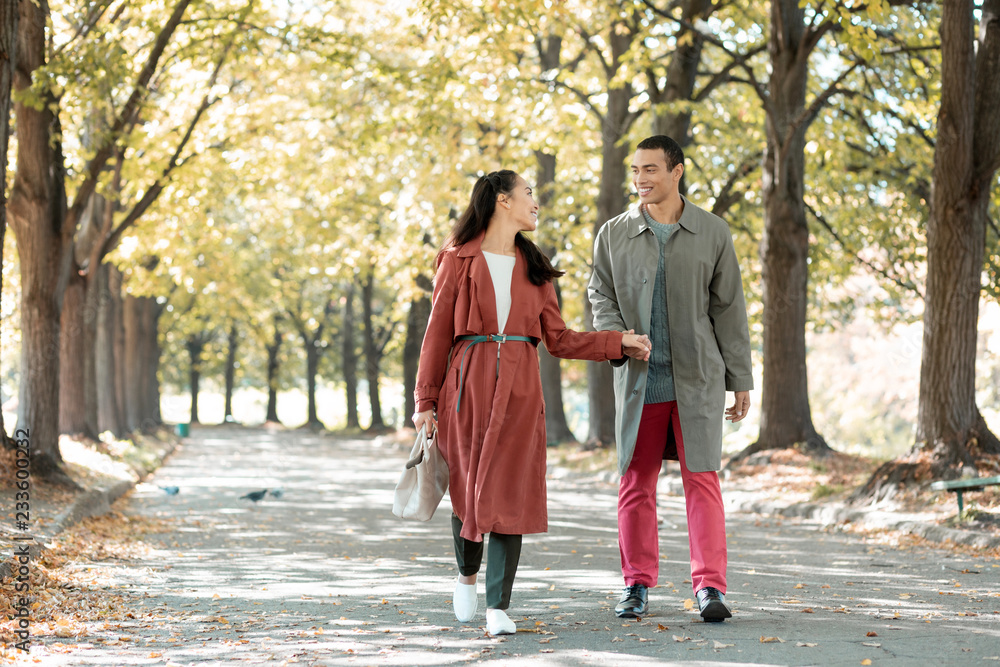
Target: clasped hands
[[636, 346]]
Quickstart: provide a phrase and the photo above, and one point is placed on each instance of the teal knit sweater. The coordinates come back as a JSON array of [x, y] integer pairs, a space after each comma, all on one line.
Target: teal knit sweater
[[660, 377]]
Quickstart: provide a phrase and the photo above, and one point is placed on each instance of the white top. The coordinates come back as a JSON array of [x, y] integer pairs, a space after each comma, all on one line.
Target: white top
[[501, 270]]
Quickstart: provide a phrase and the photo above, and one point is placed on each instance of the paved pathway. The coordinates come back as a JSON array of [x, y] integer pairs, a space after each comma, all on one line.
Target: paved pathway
[[325, 575]]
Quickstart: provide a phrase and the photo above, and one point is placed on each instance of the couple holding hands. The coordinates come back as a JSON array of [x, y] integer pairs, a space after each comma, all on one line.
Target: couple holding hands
[[670, 317]]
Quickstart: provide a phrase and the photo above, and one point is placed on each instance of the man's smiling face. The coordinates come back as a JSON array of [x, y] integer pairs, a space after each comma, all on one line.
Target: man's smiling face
[[653, 179]]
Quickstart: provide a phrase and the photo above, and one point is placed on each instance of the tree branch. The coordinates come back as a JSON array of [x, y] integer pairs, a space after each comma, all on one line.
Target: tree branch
[[589, 45], [808, 115], [724, 75], [725, 199], [386, 335], [585, 99], [106, 148], [906, 285], [82, 30], [152, 193]]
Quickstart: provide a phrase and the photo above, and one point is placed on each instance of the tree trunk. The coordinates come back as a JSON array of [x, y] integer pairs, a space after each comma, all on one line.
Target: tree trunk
[[416, 326], [611, 201], [115, 287], [72, 353], [312, 370], [37, 211], [78, 349], [951, 433], [8, 61], [142, 357], [106, 363], [947, 407], [133, 365], [153, 417], [232, 341], [78, 331], [350, 358], [682, 72], [195, 345], [786, 418], [371, 349], [556, 428], [143, 378], [273, 363]]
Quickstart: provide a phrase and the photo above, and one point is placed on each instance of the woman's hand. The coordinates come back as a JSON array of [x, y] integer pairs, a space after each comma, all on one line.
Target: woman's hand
[[425, 417], [637, 347]]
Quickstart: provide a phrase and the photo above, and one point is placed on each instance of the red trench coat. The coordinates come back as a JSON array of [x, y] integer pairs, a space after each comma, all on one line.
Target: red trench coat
[[495, 445]]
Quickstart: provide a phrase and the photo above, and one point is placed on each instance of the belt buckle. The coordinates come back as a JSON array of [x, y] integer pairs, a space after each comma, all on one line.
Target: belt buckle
[[500, 338]]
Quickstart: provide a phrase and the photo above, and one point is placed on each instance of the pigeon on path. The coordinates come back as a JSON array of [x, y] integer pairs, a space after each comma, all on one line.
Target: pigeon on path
[[171, 490], [254, 495]]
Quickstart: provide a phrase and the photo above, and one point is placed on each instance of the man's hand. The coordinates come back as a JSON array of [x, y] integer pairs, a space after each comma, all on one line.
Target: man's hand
[[637, 347], [740, 407]]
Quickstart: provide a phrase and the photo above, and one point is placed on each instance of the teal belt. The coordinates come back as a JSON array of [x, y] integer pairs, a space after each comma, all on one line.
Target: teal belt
[[488, 338]]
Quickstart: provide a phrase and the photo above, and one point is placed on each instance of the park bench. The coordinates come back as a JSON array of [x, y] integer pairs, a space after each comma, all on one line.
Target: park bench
[[960, 486]]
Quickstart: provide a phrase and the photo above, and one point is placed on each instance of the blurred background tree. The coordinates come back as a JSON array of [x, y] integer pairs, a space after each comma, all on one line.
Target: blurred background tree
[[223, 206]]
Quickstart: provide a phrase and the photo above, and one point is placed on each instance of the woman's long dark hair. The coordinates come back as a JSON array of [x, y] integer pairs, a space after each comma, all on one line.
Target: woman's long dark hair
[[476, 217]]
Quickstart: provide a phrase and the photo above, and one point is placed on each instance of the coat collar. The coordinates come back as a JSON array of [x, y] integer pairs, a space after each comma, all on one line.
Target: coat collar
[[636, 223], [473, 247], [479, 273]]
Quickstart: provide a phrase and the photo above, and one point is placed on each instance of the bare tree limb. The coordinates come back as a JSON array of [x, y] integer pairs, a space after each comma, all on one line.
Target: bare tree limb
[[724, 75], [106, 148], [906, 285], [808, 115], [727, 196], [153, 192]]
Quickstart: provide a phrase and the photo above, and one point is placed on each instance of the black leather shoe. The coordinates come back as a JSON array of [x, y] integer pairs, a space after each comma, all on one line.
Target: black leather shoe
[[712, 603], [633, 603]]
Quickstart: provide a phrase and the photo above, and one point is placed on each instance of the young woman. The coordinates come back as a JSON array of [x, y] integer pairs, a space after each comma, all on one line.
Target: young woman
[[479, 386]]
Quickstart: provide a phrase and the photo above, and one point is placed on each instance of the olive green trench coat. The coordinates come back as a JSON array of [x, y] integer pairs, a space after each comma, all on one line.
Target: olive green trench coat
[[709, 338]]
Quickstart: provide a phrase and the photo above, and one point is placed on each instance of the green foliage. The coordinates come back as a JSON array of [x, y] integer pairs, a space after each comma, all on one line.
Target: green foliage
[[342, 139]]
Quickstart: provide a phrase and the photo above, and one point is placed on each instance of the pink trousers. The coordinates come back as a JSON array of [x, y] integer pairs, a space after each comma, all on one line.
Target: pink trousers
[[638, 537]]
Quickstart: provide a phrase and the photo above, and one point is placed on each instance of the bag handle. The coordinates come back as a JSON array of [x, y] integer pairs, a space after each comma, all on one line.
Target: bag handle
[[425, 442]]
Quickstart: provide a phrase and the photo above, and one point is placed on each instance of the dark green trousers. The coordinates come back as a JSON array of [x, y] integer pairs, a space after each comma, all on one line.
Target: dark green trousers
[[501, 562]]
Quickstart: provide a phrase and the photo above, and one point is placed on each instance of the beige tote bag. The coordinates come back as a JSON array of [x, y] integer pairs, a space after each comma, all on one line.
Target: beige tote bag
[[423, 481]]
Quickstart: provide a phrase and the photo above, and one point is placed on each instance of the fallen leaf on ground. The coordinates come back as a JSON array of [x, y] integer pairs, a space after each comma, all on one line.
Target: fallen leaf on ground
[[678, 638], [872, 644], [771, 640], [807, 610], [717, 644], [688, 604], [871, 633], [806, 644], [866, 661]]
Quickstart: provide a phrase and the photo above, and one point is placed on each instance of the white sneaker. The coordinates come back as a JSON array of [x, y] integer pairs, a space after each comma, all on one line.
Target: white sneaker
[[465, 601], [497, 623]]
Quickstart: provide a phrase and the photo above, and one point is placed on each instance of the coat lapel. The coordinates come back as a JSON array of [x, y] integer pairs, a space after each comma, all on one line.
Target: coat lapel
[[521, 310], [481, 289]]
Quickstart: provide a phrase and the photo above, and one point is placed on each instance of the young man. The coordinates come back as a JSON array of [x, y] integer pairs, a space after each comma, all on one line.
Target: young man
[[668, 269]]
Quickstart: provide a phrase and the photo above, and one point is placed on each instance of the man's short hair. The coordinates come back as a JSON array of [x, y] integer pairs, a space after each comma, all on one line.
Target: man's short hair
[[671, 149]]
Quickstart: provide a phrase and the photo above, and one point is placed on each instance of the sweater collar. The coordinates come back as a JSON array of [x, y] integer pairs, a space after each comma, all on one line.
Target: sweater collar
[[637, 222]]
